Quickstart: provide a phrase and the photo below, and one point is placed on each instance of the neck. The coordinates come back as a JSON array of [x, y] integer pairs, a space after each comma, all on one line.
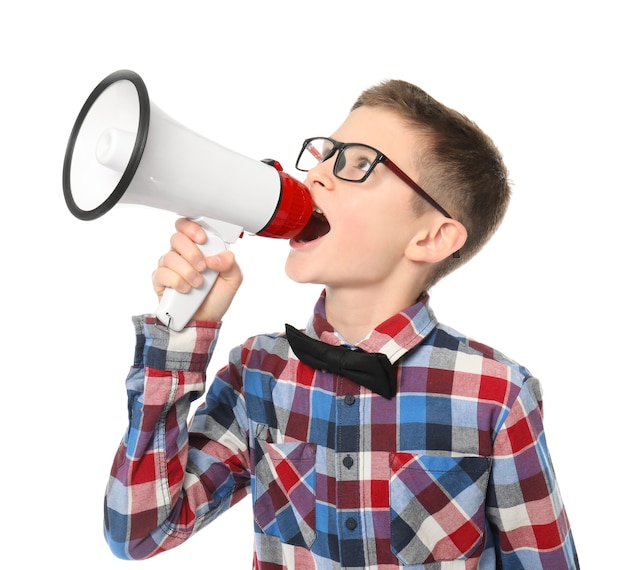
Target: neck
[[355, 313]]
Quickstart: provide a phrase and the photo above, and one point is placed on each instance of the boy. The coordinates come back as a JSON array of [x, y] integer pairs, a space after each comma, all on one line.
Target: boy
[[438, 461]]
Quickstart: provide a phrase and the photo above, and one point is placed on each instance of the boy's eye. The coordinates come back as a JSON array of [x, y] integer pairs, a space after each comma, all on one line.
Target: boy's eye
[[363, 163], [356, 162]]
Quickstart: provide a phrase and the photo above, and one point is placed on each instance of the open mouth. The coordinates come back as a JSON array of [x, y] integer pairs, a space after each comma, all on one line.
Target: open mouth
[[316, 227]]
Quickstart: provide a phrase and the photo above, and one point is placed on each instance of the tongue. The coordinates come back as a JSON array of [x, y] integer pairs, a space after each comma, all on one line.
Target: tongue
[[315, 228]]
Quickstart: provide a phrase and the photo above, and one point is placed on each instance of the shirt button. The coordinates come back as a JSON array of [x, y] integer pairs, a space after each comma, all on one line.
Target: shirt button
[[348, 462], [349, 399], [350, 523]]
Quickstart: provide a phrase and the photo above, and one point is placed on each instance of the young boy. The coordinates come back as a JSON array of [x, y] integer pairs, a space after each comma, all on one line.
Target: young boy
[[438, 461]]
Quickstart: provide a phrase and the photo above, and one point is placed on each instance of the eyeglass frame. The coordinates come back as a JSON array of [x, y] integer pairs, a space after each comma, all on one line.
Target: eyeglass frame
[[380, 159]]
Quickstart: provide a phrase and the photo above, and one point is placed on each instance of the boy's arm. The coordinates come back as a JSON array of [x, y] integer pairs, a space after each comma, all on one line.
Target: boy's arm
[[165, 485], [531, 528]]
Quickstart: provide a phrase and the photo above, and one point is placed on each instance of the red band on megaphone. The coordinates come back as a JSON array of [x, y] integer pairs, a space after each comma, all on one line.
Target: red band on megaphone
[[293, 211]]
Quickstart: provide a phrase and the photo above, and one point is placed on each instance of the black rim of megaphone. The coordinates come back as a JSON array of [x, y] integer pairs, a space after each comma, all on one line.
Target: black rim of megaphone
[[135, 159]]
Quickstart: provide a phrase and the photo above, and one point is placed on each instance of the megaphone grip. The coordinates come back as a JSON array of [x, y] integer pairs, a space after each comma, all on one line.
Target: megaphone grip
[[177, 309]]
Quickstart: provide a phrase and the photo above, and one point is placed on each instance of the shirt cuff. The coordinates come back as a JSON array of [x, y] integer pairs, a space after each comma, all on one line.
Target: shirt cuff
[[163, 349]]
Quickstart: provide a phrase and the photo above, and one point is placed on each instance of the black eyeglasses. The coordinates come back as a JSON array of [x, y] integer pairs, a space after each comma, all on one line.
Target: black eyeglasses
[[354, 163]]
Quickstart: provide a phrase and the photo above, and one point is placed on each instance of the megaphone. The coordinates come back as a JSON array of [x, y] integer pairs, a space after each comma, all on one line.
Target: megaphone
[[124, 149]]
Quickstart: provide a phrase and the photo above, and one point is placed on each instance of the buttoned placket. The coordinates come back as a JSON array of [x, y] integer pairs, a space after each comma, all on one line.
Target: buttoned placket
[[347, 472]]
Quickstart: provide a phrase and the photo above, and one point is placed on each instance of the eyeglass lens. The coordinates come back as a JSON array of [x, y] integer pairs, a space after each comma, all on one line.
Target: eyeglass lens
[[353, 162]]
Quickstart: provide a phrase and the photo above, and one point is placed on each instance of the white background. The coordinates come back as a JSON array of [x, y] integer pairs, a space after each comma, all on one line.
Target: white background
[[544, 79]]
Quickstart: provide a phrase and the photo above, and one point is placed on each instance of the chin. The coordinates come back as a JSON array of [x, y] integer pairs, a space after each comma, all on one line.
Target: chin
[[298, 277], [300, 272]]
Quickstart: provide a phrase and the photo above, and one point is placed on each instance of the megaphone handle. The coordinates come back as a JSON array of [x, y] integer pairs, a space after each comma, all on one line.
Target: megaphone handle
[[176, 309]]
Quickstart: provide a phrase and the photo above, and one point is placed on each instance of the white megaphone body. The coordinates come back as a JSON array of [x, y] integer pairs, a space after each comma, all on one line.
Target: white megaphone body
[[124, 149]]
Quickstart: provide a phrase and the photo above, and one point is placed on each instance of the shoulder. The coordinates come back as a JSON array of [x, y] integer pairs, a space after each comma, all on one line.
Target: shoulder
[[449, 337], [460, 364]]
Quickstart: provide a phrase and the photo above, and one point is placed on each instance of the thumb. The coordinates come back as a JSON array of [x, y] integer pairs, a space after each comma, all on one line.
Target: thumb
[[226, 265]]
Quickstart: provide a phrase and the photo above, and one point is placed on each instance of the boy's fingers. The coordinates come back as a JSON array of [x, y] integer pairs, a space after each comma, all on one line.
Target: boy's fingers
[[175, 272], [191, 229], [183, 245]]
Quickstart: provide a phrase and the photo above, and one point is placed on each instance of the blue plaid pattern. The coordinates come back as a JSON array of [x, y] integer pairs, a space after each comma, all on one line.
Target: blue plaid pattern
[[452, 473]]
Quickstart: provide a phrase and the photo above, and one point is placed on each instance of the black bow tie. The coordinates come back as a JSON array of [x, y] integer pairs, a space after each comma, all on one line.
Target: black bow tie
[[370, 369]]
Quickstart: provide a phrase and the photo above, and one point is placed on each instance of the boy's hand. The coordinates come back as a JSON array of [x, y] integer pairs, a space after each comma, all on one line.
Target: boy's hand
[[181, 269]]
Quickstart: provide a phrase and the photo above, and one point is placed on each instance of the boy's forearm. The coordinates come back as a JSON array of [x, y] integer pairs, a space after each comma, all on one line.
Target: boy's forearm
[[146, 481]]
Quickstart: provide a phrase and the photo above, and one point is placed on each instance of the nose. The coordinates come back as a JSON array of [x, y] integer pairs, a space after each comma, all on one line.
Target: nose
[[322, 174]]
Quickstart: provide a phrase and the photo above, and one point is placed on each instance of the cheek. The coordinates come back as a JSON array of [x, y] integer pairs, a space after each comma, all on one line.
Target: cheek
[[362, 216], [379, 226]]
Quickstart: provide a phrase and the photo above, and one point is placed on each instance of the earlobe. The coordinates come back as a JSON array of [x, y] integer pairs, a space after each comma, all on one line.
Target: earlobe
[[435, 244]]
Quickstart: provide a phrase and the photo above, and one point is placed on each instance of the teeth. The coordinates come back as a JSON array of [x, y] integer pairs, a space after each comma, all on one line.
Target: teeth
[[317, 210]]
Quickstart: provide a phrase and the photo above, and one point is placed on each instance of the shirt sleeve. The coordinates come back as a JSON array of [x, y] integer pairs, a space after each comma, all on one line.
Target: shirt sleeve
[[166, 482], [524, 505]]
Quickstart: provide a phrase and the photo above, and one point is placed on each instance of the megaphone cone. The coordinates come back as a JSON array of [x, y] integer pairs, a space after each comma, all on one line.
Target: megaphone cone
[[124, 149]]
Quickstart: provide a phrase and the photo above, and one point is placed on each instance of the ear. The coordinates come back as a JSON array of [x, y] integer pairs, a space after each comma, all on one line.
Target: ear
[[437, 241]]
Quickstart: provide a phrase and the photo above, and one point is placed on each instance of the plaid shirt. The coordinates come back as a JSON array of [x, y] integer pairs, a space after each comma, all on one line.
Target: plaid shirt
[[452, 473]]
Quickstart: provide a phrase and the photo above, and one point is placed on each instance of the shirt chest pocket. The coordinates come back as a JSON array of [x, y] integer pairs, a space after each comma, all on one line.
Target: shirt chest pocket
[[284, 489], [437, 506]]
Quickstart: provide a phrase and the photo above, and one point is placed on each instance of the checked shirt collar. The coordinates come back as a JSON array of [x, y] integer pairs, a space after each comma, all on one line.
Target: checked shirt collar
[[394, 337]]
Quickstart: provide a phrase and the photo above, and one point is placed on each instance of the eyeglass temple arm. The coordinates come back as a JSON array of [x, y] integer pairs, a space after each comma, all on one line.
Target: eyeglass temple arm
[[400, 173]]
